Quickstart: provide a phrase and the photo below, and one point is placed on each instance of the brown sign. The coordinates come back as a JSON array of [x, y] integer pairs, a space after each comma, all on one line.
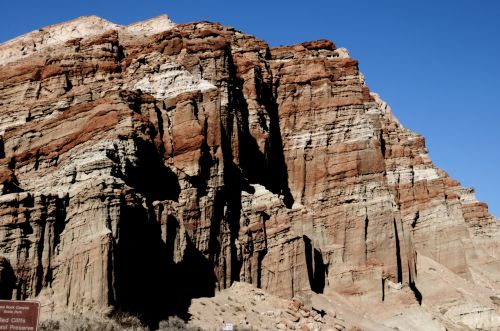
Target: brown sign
[[19, 315]]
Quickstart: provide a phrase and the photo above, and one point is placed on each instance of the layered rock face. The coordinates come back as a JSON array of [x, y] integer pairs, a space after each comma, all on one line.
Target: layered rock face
[[146, 165]]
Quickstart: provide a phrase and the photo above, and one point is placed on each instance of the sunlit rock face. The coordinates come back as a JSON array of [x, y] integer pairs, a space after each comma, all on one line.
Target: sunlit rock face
[[155, 161]]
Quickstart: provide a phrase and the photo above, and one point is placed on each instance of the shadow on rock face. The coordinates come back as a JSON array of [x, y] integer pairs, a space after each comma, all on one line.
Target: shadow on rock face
[[315, 267], [148, 282], [7, 279], [150, 176], [267, 167]]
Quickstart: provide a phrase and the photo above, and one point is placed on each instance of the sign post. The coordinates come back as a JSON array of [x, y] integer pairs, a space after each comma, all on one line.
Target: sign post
[[19, 315]]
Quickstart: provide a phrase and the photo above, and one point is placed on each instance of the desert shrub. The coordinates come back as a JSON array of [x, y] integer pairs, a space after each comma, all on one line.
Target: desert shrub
[[117, 322], [94, 322], [128, 322], [49, 325], [174, 323]]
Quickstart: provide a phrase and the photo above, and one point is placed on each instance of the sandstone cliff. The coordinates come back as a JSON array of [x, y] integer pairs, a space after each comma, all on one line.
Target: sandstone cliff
[[146, 165]]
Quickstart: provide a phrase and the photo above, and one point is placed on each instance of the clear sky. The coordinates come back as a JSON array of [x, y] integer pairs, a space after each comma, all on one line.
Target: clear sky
[[437, 63]]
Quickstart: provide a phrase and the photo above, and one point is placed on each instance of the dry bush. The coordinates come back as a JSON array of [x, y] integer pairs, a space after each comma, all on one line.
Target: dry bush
[[174, 323], [49, 325], [94, 322]]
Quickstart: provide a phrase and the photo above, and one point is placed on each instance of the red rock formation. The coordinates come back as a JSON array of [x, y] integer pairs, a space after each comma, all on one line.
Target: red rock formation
[[154, 161]]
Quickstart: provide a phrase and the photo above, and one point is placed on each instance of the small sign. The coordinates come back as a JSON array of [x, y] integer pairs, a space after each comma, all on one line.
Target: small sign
[[227, 327], [19, 315]]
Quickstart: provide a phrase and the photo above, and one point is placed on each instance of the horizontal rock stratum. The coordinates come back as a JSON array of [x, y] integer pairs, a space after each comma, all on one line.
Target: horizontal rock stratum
[[146, 165]]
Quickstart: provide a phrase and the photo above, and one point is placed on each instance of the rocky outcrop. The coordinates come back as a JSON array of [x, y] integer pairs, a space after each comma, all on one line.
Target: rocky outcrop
[[160, 160]]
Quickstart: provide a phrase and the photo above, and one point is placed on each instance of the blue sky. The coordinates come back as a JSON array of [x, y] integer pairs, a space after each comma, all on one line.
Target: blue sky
[[435, 62]]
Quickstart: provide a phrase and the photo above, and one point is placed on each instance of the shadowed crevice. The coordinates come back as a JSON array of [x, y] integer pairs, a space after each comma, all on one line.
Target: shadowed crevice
[[7, 279], [148, 282], [416, 292], [267, 167], [149, 176], [316, 269], [398, 254], [382, 143]]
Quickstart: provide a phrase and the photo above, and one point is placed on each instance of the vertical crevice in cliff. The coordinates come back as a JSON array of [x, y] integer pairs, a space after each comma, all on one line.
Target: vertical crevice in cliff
[[366, 236], [7, 279], [319, 272], [266, 167], [410, 262], [161, 132], [412, 268], [398, 254], [382, 143], [383, 289], [275, 152], [206, 163], [252, 161], [416, 292], [260, 257], [2, 148], [316, 270], [309, 260]]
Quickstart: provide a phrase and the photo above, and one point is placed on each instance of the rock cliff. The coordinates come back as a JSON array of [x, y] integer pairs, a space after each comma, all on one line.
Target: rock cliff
[[146, 165]]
